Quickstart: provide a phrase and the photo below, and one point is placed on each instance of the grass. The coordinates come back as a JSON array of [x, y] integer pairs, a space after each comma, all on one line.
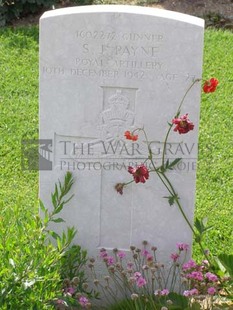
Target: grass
[[215, 164], [19, 120], [19, 113]]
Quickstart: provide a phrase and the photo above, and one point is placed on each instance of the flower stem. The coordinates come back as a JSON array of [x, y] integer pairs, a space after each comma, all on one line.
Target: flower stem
[[165, 144], [186, 93], [177, 114]]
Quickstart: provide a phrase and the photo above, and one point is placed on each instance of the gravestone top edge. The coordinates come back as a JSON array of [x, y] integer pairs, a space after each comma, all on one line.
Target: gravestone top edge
[[126, 9]]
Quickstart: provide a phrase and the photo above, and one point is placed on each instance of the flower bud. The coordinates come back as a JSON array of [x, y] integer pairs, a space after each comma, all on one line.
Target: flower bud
[[75, 280], [78, 295], [66, 282], [92, 260], [132, 280], [119, 188], [134, 296], [153, 270], [96, 282]]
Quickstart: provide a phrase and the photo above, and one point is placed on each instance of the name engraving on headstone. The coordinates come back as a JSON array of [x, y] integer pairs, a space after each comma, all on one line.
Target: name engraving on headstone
[[134, 60]]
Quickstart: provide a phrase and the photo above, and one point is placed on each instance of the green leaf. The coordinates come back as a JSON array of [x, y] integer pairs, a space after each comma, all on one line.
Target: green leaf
[[54, 235], [173, 163], [198, 225], [66, 201], [227, 261], [201, 226], [59, 208], [58, 220], [195, 306], [179, 301], [53, 199], [171, 199], [42, 207]]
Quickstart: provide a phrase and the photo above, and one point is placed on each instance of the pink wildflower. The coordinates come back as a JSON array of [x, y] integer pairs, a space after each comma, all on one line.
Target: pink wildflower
[[149, 258], [137, 275], [70, 290], [189, 265], [195, 275], [211, 290], [164, 292], [110, 260], [174, 257], [182, 246], [186, 293], [205, 262], [83, 301], [103, 253], [140, 282], [121, 254], [145, 253], [211, 277], [192, 292]]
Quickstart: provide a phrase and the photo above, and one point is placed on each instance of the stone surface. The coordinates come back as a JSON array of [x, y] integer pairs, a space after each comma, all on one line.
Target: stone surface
[[105, 70]]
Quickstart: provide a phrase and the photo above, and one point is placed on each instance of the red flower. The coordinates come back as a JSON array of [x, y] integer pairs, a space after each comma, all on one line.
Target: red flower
[[131, 136], [210, 85], [183, 124], [140, 173]]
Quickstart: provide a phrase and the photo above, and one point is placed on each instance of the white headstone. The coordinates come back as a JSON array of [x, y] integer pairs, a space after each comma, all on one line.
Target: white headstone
[[105, 70]]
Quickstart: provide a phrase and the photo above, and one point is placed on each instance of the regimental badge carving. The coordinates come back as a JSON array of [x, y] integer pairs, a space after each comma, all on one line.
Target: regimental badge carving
[[118, 113]]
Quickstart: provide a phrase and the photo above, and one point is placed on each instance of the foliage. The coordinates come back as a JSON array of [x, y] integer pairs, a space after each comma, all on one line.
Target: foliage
[[15, 9], [144, 282], [30, 263], [10, 10], [72, 263], [82, 2]]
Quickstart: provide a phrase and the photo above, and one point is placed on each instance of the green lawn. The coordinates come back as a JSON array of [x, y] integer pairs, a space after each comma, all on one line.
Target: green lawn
[[19, 120]]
